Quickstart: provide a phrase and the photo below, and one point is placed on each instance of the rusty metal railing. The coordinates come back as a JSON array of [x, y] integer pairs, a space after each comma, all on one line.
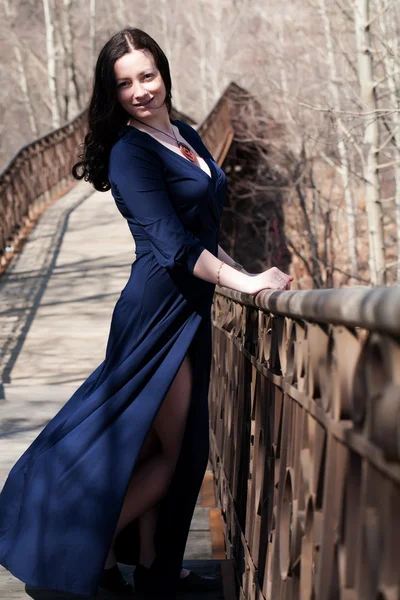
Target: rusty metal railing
[[305, 438], [216, 130], [38, 172]]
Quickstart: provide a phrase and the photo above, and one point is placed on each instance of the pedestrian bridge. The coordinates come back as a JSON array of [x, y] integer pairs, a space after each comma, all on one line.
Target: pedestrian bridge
[[304, 395]]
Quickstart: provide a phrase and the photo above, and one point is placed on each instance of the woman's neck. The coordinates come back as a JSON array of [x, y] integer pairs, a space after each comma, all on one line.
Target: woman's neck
[[159, 121]]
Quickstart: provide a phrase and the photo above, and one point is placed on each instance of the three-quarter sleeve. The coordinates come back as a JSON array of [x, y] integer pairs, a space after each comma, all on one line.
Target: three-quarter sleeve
[[136, 172]]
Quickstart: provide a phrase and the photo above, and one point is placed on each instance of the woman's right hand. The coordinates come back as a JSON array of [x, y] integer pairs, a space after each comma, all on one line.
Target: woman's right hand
[[271, 279]]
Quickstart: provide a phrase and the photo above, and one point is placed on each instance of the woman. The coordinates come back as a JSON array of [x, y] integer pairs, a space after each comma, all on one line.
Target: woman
[[131, 445]]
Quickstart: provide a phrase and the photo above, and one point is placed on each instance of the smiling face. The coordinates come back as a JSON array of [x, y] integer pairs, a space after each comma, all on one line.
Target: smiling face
[[140, 87]]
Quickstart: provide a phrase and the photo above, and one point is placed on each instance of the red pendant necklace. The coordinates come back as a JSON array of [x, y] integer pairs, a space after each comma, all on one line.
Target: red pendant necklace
[[185, 150]]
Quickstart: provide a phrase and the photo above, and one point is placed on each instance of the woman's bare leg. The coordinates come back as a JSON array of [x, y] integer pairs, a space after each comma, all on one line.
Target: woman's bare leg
[[153, 475], [150, 448], [147, 530]]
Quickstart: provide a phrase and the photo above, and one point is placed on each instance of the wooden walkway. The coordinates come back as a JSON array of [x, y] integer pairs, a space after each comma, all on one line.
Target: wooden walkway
[[56, 300]]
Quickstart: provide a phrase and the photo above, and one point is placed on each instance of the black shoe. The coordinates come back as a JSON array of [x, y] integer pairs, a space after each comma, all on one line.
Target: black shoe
[[146, 584], [112, 580], [193, 583], [141, 578], [149, 584]]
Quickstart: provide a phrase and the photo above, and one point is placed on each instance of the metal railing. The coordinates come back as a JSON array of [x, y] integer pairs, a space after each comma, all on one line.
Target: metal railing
[[38, 172], [216, 129], [305, 438]]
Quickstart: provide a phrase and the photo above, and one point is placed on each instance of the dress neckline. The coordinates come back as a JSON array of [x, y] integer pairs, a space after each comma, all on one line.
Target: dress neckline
[[206, 159]]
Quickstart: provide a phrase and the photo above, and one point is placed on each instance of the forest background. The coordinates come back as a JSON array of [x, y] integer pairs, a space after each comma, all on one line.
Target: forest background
[[326, 74]]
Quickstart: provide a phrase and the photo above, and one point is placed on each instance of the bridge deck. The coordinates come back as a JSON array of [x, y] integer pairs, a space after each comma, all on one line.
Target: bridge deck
[[56, 300]]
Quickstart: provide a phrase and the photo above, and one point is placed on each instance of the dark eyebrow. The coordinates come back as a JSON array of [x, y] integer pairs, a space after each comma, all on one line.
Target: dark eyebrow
[[141, 73]]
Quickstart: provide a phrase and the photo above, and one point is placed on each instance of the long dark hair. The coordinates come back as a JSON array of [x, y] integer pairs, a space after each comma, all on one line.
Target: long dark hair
[[106, 115]]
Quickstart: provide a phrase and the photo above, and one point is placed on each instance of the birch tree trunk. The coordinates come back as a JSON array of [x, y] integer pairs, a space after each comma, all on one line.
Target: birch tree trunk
[[199, 34], [392, 68], [218, 49], [172, 40], [371, 142], [342, 149], [51, 63], [92, 32], [224, 22], [282, 72], [121, 14], [73, 89], [62, 87], [22, 80]]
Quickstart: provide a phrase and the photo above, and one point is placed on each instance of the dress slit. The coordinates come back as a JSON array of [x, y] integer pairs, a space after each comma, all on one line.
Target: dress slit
[[127, 544]]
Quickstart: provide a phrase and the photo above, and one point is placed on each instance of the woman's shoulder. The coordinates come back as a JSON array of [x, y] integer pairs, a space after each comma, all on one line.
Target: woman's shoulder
[[130, 154], [131, 143], [130, 136]]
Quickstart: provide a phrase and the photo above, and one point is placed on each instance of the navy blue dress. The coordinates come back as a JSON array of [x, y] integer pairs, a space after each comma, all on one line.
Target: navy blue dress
[[61, 502]]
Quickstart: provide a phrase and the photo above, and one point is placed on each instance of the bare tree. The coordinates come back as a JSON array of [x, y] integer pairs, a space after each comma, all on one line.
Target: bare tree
[[332, 92], [171, 34], [72, 87], [342, 149], [198, 23], [371, 140], [283, 74], [92, 32], [121, 13], [391, 63], [22, 78], [51, 62]]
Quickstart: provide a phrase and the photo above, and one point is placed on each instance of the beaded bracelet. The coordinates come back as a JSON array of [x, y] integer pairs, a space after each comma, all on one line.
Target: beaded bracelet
[[218, 272]]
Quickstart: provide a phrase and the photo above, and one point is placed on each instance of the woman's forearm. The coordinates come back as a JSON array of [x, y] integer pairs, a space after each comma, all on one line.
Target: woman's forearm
[[208, 267], [215, 270]]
